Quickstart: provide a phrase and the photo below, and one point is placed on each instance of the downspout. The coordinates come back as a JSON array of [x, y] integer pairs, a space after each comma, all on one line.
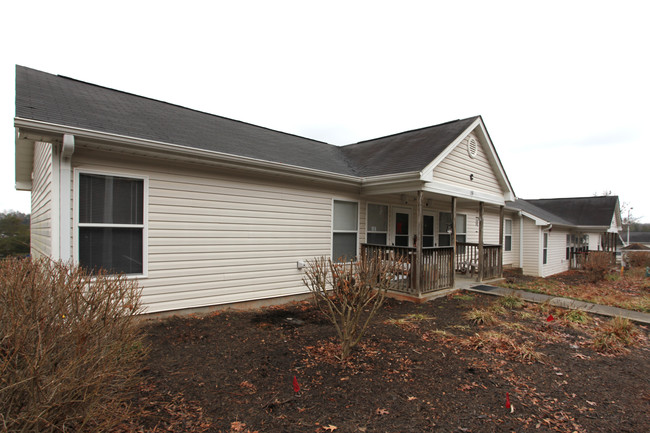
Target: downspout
[[521, 240], [65, 185]]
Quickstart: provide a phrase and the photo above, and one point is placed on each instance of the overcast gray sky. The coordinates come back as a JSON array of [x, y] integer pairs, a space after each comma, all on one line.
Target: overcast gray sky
[[563, 86]]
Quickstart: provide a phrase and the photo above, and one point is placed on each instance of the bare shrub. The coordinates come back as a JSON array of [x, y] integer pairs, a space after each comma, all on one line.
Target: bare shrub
[[597, 265], [70, 347], [351, 294], [638, 259]]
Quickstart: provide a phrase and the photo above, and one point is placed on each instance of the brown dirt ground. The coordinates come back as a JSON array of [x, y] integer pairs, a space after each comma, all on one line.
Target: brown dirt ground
[[420, 368]]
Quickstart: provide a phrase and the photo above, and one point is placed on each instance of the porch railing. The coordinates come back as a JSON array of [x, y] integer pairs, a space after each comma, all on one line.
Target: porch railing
[[467, 259], [578, 258], [436, 272]]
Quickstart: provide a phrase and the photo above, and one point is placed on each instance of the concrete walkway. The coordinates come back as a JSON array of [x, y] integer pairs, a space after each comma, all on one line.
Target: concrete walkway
[[572, 304]]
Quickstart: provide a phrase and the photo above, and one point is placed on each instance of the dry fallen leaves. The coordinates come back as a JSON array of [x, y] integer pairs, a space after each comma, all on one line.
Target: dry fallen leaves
[[330, 427], [381, 411]]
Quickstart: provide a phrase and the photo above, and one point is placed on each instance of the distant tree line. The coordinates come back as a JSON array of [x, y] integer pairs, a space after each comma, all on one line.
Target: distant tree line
[[640, 227], [14, 234]]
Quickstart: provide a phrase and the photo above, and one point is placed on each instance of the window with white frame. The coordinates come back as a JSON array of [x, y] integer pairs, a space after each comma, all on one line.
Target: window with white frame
[[345, 230], [427, 230], [444, 226], [507, 232], [545, 257], [377, 227], [111, 223]]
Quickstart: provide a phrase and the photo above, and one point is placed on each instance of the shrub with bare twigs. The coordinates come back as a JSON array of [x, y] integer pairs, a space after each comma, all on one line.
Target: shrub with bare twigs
[[597, 265], [638, 259], [70, 347], [351, 294]]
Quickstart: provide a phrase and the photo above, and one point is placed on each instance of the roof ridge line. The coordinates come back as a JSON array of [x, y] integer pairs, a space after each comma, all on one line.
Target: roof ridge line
[[410, 130]]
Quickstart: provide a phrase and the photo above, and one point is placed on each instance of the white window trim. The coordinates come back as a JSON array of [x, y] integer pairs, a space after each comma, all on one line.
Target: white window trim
[[435, 226], [545, 241], [392, 220], [505, 234], [145, 216], [332, 231], [438, 232], [387, 221]]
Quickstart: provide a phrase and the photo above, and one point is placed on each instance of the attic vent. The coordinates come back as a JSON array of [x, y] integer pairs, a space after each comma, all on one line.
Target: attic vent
[[472, 147]]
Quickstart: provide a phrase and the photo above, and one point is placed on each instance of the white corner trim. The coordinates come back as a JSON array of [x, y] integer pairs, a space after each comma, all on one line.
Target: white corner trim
[[65, 186], [55, 233]]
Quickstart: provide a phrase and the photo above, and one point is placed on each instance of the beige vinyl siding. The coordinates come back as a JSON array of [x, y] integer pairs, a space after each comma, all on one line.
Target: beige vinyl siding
[[532, 248], [457, 167], [41, 216], [556, 259], [216, 237], [594, 241]]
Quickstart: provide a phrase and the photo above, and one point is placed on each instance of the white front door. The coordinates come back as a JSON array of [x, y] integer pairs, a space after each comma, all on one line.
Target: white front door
[[402, 227]]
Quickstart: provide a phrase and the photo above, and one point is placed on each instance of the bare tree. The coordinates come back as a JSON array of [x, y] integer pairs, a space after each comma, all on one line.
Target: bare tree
[[351, 294]]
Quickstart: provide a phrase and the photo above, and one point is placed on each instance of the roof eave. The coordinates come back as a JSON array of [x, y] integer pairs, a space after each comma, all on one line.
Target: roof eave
[[180, 151]]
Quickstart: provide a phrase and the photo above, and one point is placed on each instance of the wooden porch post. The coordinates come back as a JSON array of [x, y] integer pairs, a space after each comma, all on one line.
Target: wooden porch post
[[453, 241], [501, 222], [480, 241], [418, 246]]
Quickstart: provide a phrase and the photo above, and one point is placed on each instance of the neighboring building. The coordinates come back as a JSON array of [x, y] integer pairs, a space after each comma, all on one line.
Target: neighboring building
[[642, 238], [551, 234], [205, 210]]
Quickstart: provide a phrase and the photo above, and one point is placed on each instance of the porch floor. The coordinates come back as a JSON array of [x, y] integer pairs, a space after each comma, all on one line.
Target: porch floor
[[461, 282]]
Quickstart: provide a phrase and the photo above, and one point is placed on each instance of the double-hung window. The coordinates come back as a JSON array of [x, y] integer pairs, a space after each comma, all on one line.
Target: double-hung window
[[507, 235], [444, 224], [377, 224], [345, 230], [545, 252], [427, 231], [111, 223]]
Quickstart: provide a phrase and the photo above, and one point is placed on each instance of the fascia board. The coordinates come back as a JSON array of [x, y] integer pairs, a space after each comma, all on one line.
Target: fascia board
[[592, 228], [509, 194], [390, 179], [461, 192], [493, 156], [429, 168], [537, 220], [392, 188], [24, 162], [175, 151]]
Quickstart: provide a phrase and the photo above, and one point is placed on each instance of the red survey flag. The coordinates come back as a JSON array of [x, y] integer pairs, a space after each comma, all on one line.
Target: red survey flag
[[296, 386]]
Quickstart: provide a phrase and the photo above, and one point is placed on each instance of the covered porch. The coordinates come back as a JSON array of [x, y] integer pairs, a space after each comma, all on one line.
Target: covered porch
[[443, 246]]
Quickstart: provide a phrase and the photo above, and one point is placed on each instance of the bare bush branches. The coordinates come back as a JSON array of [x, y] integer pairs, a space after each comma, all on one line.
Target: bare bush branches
[[597, 264], [350, 294], [70, 347]]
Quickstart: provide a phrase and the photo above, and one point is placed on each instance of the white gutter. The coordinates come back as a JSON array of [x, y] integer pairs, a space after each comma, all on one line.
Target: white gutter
[[176, 149]]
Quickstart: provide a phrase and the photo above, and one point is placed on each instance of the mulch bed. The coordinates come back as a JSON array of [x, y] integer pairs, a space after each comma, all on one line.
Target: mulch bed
[[419, 368]]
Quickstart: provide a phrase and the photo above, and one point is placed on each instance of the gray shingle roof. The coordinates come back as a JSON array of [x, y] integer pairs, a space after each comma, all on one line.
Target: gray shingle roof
[[65, 101], [406, 151], [639, 237], [575, 211]]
